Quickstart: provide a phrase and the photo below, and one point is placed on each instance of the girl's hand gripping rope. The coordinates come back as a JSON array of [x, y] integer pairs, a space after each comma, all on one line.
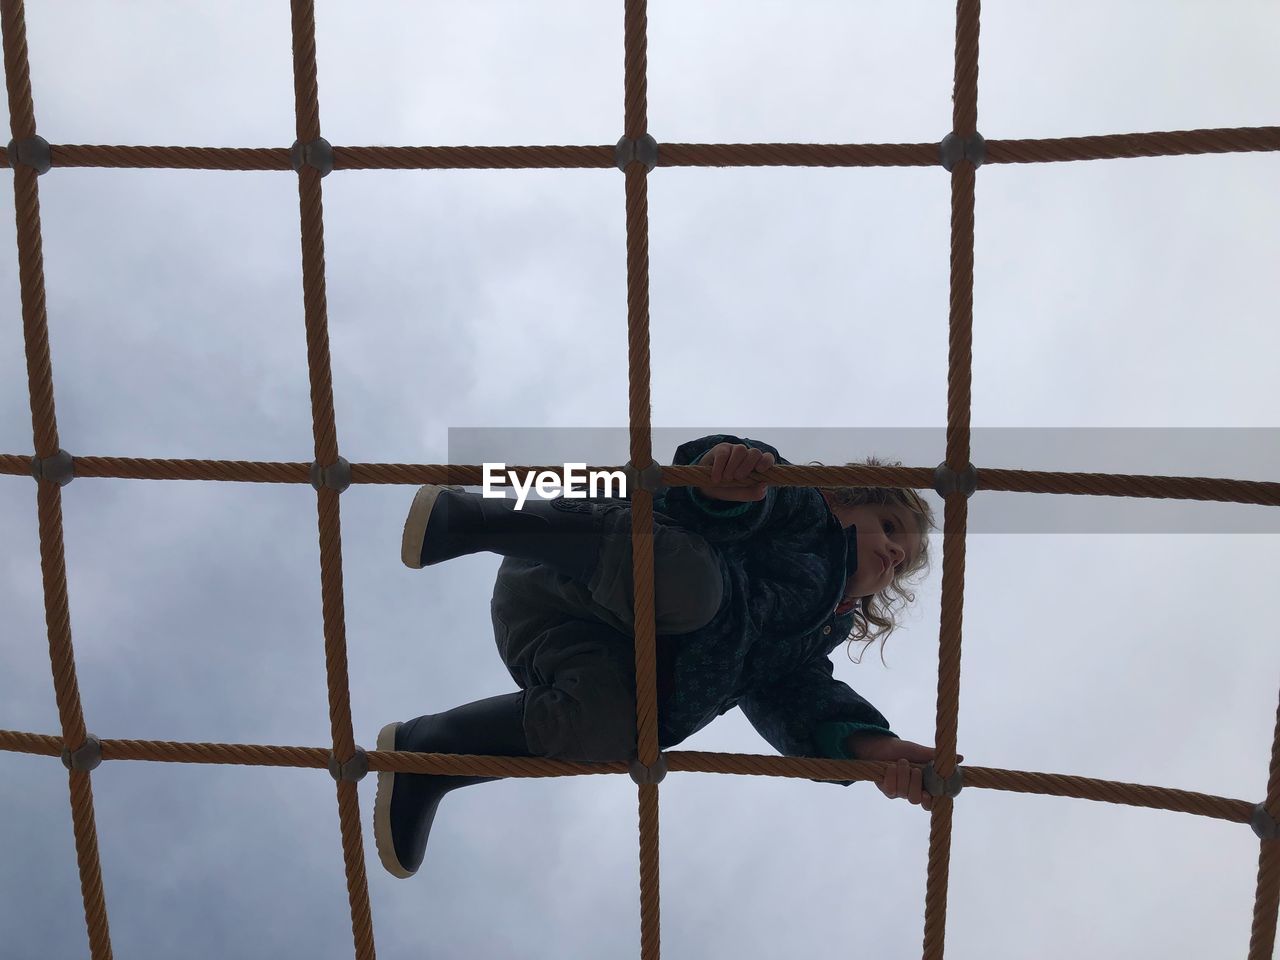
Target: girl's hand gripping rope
[[903, 780], [735, 461]]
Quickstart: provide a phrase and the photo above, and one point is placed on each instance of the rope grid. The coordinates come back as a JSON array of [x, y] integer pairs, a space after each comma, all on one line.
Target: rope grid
[[636, 154]]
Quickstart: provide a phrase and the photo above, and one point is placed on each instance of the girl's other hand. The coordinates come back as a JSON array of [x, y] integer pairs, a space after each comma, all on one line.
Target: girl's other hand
[[735, 461], [903, 779]]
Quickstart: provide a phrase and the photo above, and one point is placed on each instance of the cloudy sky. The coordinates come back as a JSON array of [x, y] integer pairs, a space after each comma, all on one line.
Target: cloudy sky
[[791, 305]]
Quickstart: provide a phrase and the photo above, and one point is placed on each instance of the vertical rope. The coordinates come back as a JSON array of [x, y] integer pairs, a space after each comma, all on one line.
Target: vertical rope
[[650, 902], [328, 508], [44, 425], [1266, 897], [956, 509], [635, 126], [90, 864]]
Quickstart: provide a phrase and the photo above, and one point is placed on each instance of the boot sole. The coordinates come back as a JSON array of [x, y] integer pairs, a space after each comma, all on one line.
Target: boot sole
[[415, 524], [382, 809]]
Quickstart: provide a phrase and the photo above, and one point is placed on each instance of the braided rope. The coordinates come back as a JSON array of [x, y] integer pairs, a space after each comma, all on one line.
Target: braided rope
[[1169, 143]]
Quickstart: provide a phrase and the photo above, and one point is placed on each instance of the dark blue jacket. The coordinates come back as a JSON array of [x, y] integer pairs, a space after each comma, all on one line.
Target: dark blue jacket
[[768, 648]]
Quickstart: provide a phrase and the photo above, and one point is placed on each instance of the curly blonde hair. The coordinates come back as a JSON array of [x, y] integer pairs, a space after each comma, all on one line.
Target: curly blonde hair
[[875, 616]]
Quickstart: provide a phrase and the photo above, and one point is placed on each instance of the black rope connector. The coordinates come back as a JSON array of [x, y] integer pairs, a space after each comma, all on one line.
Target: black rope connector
[[1264, 824], [650, 478], [938, 787], [642, 774], [627, 150], [952, 150], [59, 469], [33, 152], [354, 769], [947, 481], [86, 758], [318, 154], [336, 476]]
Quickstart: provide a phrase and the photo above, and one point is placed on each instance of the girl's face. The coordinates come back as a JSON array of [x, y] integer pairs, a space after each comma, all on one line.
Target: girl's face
[[886, 540]]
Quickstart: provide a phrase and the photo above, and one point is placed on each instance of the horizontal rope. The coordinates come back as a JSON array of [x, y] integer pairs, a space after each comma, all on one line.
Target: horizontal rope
[[685, 761], [918, 478], [1107, 147]]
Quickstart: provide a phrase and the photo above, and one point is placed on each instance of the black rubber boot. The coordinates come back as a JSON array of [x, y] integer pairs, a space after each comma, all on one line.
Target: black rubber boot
[[406, 803], [448, 522]]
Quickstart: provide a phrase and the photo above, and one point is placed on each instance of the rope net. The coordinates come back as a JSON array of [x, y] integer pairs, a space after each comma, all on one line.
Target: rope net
[[636, 154]]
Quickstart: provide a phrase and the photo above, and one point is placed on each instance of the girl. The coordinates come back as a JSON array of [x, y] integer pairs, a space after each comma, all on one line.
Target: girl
[[753, 589]]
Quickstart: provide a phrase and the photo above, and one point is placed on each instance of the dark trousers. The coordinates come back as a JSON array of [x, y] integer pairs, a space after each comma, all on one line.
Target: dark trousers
[[570, 645]]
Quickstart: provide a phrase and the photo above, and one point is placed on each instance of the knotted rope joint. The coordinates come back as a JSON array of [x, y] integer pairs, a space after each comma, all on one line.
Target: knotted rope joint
[[627, 150], [642, 774], [86, 757], [947, 481], [318, 154], [354, 769], [59, 469], [336, 476], [938, 787], [650, 478], [1264, 824], [34, 152], [952, 150]]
